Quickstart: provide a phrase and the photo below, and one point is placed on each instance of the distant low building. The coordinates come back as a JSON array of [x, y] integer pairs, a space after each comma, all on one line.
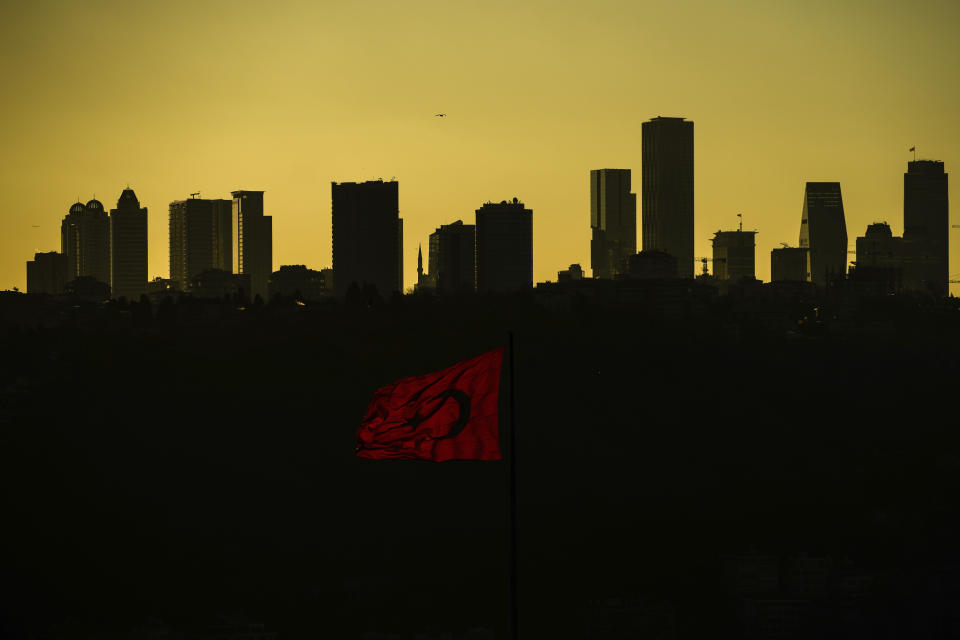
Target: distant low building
[[217, 283], [789, 264], [295, 280], [88, 288], [652, 264], [47, 273], [575, 272]]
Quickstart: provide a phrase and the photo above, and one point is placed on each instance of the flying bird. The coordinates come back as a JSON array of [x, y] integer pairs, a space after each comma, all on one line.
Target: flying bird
[[440, 115]]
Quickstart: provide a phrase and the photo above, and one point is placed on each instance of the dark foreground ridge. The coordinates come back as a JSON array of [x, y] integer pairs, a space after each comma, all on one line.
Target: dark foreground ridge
[[751, 465]]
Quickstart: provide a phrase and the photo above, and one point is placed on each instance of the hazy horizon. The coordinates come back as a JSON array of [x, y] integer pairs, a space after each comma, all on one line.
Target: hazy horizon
[[177, 98]]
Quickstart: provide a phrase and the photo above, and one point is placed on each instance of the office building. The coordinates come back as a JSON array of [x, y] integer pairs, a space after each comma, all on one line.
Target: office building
[[252, 241], [367, 236], [85, 241], [926, 224], [613, 222], [200, 238], [128, 247], [823, 232], [451, 259], [47, 273], [667, 195], [504, 247], [789, 264], [734, 255]]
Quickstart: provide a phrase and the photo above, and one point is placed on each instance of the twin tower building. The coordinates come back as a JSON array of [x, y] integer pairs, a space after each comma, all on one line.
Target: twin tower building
[[110, 250]]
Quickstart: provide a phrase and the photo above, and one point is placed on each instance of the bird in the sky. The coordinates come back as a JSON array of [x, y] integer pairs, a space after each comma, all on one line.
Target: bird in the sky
[[440, 115]]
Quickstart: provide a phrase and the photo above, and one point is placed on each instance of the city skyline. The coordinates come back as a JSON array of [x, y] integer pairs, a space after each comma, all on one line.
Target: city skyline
[[758, 140]]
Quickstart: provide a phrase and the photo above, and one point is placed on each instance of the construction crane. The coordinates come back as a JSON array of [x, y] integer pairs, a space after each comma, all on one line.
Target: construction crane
[[704, 261], [195, 195]]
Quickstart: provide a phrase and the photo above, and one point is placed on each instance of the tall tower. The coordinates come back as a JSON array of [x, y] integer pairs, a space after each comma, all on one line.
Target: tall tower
[[200, 238], [823, 232], [128, 247], [367, 236], [613, 221], [504, 247], [85, 240], [926, 225], [667, 197], [252, 241]]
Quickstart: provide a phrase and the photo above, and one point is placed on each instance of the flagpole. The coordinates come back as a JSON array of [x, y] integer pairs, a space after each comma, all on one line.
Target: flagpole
[[514, 608]]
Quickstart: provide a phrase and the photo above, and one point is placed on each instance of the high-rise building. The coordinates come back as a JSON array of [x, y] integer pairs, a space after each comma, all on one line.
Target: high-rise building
[[199, 238], [128, 247], [789, 264], [47, 273], [734, 255], [452, 259], [926, 224], [613, 222], [85, 240], [667, 195], [504, 247], [823, 232], [252, 241], [367, 236]]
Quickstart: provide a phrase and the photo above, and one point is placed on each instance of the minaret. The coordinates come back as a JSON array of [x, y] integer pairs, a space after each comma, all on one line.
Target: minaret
[[419, 263]]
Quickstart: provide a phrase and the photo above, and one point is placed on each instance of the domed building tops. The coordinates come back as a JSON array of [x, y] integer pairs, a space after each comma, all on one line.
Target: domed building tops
[[77, 208], [94, 205]]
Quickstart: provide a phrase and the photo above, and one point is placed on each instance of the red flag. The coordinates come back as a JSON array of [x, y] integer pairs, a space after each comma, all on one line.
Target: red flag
[[446, 415]]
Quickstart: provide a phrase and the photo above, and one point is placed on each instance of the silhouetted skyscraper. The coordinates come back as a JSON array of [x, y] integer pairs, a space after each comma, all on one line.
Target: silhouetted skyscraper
[[128, 247], [667, 217], [926, 224], [85, 240], [823, 231], [613, 221], [252, 241], [367, 236], [199, 238], [734, 255], [47, 273], [452, 257], [504, 247]]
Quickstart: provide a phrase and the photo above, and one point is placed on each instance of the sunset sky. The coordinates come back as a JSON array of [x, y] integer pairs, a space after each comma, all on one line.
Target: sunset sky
[[175, 97]]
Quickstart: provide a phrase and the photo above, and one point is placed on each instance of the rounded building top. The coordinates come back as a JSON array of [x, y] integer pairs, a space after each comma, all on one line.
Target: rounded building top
[[77, 208], [95, 205]]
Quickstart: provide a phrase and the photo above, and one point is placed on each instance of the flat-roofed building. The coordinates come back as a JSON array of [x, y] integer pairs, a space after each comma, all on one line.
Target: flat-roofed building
[[504, 246], [47, 273]]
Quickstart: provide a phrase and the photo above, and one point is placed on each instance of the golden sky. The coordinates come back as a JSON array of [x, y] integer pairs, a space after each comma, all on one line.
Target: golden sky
[[179, 96]]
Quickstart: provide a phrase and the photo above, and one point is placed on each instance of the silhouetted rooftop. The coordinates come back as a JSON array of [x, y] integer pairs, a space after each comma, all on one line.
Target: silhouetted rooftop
[[878, 230], [77, 208], [128, 199], [95, 205]]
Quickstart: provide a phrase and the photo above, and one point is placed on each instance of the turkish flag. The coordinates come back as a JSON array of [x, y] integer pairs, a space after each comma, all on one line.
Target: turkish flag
[[446, 415]]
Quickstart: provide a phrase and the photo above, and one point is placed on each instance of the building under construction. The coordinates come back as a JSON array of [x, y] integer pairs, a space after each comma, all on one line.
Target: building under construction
[[734, 255]]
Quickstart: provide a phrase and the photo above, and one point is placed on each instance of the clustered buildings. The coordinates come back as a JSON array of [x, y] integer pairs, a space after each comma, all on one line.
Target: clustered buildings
[[224, 246]]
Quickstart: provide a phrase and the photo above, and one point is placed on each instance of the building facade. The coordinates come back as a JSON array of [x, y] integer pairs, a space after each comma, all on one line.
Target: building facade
[[367, 236], [85, 241], [823, 232], [296, 281], [47, 273], [451, 261], [613, 222], [926, 225], [734, 255], [252, 241], [128, 247], [667, 194], [504, 247], [789, 264], [197, 242]]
